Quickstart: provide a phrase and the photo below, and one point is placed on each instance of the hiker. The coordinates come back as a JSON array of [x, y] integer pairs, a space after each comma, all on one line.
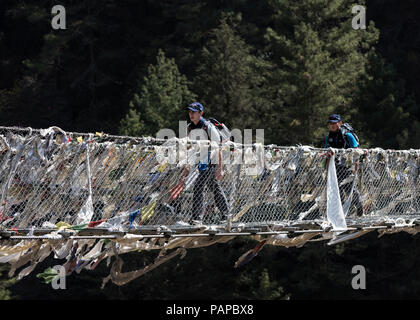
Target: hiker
[[342, 136], [209, 170]]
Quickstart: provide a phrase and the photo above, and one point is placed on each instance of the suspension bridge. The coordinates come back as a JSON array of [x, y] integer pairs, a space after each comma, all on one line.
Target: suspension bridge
[[86, 197]]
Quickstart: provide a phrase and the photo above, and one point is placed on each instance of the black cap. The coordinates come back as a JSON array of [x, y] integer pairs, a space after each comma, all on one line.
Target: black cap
[[334, 118]]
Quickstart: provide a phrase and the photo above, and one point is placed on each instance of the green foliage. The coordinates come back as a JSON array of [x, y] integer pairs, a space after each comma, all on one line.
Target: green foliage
[[229, 77], [384, 109], [5, 283], [132, 124], [266, 289], [48, 275], [319, 58], [160, 102], [278, 65]]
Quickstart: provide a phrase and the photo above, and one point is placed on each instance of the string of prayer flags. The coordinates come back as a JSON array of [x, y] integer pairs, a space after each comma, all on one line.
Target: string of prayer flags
[[249, 255]]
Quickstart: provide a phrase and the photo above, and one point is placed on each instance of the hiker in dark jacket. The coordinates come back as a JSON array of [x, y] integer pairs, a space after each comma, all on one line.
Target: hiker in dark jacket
[[341, 137], [337, 137]]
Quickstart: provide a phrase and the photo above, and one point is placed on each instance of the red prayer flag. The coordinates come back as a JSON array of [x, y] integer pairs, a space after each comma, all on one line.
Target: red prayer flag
[[93, 224], [176, 191]]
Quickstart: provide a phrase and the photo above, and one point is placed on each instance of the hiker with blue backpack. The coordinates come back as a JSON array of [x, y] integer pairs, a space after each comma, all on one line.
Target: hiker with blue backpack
[[342, 136], [208, 172]]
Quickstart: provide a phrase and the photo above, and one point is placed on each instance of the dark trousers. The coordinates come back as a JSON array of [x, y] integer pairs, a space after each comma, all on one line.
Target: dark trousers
[[208, 177], [342, 173]]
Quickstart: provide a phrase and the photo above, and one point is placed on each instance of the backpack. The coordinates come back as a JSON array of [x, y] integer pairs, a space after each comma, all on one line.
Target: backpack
[[345, 128], [224, 132]]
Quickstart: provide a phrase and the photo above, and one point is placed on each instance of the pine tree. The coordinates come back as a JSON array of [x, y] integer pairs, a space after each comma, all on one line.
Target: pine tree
[[230, 78], [160, 101], [268, 289], [384, 110], [318, 58]]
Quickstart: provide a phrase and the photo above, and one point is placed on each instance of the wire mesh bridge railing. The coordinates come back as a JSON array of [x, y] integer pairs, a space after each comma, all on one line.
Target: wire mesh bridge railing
[[49, 176]]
